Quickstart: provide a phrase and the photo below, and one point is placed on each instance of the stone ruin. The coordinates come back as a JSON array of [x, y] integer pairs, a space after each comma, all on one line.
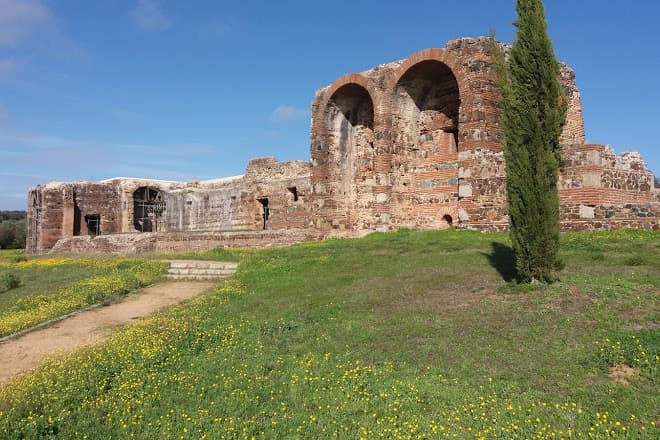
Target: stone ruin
[[414, 143]]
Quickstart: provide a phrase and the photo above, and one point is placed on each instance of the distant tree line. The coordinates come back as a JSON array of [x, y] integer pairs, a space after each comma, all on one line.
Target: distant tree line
[[12, 229], [12, 215]]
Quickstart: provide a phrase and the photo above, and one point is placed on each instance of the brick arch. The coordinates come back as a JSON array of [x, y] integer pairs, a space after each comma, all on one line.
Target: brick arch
[[357, 79], [426, 108], [343, 150], [432, 54], [319, 107]]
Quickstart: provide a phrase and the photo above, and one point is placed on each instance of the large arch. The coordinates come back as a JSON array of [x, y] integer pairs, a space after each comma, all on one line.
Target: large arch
[[348, 118], [426, 110]]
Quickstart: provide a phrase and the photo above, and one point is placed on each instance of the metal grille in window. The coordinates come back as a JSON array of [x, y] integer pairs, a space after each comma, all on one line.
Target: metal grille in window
[[148, 208]]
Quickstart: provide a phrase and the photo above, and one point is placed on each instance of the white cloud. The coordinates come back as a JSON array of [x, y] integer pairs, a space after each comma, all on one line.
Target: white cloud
[[149, 17], [288, 113], [19, 19]]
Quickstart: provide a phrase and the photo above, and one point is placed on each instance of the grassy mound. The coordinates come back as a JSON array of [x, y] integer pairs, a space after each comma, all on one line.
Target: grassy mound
[[405, 335]]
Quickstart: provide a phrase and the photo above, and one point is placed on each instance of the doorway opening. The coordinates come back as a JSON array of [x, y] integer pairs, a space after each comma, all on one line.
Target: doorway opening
[[93, 222], [265, 212]]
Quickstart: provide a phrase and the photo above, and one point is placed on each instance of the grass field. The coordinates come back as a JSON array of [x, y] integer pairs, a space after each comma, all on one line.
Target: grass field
[[403, 335], [51, 287]]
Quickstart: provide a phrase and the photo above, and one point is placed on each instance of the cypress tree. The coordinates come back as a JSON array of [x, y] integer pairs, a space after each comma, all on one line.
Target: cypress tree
[[533, 114]]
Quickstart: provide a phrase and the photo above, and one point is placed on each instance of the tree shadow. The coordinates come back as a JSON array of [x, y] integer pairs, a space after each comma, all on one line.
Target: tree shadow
[[504, 261]]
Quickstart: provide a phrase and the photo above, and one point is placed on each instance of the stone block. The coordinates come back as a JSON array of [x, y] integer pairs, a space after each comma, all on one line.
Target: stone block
[[587, 211], [464, 190]]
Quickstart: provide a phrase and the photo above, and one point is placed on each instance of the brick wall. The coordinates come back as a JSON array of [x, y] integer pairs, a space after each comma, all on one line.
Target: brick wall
[[412, 143]]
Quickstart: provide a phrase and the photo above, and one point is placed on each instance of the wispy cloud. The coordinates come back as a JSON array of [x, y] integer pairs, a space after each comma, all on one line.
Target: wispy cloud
[[29, 158], [4, 115], [8, 66], [31, 23], [288, 113], [214, 30], [20, 19], [126, 115], [149, 17]]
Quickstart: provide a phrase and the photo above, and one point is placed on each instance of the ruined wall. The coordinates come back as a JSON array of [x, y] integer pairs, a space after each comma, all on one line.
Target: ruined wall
[[416, 143], [283, 188], [58, 210], [193, 206], [96, 199], [599, 190], [413, 143], [64, 210]]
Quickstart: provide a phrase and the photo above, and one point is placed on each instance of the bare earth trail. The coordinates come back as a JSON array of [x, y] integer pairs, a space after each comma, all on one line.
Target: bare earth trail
[[20, 355]]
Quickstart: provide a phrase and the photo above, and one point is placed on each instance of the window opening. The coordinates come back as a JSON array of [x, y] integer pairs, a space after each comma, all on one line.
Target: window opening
[[293, 190], [93, 222], [148, 207], [265, 211]]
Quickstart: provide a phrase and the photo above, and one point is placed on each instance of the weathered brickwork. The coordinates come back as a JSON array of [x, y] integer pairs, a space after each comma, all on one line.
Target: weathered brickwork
[[68, 211], [413, 143]]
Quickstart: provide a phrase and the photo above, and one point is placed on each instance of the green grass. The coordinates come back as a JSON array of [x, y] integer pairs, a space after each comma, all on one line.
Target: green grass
[[403, 335], [47, 280], [38, 290], [10, 254]]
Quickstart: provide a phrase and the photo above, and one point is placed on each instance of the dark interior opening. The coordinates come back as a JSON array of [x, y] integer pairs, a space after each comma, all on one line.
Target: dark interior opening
[[77, 215], [448, 219], [93, 222], [433, 90], [265, 211], [148, 207], [294, 191]]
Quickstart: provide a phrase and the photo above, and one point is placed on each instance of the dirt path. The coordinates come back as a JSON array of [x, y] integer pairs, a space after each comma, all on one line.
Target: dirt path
[[23, 353]]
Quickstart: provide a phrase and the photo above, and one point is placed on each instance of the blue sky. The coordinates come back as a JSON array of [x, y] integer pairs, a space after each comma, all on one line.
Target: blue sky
[[192, 90]]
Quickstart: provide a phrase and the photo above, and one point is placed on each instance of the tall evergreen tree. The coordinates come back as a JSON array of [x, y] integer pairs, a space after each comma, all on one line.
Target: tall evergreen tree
[[533, 114]]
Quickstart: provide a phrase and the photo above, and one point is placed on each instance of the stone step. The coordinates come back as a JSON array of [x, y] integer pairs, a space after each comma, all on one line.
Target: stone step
[[197, 271], [200, 270], [202, 265], [193, 277]]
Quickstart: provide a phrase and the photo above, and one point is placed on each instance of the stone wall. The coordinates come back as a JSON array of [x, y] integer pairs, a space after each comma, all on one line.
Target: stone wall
[[158, 242], [60, 211], [413, 143], [599, 190], [416, 143], [284, 187]]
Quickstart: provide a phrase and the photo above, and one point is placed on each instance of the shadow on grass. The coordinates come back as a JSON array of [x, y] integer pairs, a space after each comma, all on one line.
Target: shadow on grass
[[504, 261]]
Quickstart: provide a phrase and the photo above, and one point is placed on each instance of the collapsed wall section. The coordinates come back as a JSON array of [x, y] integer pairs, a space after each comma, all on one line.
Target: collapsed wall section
[[59, 210], [276, 195], [599, 190]]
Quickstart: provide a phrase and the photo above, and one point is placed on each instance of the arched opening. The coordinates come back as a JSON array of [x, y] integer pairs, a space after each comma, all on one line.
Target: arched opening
[[447, 219], [425, 123], [148, 207], [426, 105], [349, 118]]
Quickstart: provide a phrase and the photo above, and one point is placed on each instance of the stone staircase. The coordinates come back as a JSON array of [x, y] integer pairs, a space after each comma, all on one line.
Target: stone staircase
[[200, 270]]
